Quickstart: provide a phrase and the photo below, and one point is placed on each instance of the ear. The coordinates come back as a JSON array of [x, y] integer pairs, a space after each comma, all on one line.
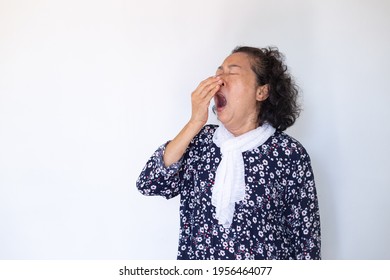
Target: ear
[[262, 92]]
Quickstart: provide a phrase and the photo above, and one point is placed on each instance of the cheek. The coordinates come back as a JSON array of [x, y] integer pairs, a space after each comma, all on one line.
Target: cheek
[[241, 91], [242, 101], [237, 87]]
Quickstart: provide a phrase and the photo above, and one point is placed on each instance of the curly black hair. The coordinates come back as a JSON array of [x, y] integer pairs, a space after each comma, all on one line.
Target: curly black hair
[[281, 108]]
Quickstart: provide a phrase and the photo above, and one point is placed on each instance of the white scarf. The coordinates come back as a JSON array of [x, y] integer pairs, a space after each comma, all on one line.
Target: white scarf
[[229, 186]]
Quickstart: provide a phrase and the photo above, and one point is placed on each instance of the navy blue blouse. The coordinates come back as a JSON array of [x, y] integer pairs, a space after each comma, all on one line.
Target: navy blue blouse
[[278, 219]]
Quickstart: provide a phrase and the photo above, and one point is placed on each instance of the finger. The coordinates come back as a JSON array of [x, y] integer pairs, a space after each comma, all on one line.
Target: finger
[[204, 85], [212, 89], [210, 94], [206, 97]]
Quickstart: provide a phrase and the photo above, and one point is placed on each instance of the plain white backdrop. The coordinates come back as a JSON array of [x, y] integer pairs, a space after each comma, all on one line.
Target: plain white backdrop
[[89, 89]]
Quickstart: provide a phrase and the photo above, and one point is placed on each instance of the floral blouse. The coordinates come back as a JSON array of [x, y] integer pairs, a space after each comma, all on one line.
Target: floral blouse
[[278, 219]]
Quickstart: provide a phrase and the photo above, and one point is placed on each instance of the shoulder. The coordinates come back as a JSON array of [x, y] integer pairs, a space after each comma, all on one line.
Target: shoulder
[[209, 129], [205, 136], [288, 146]]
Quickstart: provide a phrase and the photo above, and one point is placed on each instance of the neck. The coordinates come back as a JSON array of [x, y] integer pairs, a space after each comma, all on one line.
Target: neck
[[238, 130]]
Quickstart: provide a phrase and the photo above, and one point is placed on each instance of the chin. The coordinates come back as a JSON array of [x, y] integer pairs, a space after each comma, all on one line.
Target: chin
[[221, 117]]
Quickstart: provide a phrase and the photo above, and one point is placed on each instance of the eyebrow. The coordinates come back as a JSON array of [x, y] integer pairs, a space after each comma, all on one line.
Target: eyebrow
[[229, 66]]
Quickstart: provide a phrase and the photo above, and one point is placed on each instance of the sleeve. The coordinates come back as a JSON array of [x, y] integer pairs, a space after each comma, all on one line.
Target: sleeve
[[158, 180], [302, 212]]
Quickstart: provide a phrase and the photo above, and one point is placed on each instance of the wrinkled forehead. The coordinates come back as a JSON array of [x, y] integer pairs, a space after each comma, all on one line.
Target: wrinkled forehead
[[239, 60]]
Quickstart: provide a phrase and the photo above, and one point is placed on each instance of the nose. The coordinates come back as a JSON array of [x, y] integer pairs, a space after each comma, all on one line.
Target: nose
[[223, 80], [222, 75]]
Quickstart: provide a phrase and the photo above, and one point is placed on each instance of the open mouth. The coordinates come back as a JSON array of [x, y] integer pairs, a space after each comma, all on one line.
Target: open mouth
[[220, 100]]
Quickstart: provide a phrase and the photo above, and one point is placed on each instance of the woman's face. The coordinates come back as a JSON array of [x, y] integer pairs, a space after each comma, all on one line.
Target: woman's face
[[237, 100]]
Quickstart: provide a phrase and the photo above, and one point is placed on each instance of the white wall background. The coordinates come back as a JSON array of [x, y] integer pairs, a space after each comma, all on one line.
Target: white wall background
[[89, 89]]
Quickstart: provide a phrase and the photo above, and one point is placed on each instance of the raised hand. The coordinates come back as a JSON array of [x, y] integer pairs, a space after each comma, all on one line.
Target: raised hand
[[201, 97]]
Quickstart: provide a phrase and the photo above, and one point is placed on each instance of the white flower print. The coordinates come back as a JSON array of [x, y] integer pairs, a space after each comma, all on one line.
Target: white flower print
[[279, 194]]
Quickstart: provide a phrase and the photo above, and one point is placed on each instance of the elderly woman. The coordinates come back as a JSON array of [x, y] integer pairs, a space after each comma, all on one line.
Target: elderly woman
[[246, 188]]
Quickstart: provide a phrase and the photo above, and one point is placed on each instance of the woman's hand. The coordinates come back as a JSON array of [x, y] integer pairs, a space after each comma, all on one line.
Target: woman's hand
[[201, 98]]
